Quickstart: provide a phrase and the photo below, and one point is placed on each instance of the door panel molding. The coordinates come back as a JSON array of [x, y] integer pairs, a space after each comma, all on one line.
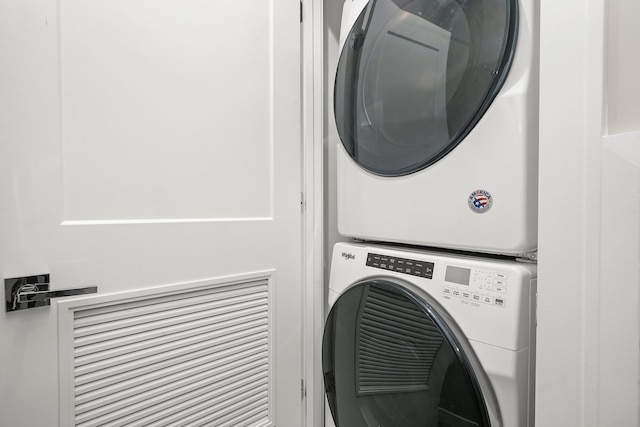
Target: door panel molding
[[151, 97]]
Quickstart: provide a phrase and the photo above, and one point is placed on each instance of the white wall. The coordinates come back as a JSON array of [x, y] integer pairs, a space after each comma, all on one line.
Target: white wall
[[623, 66], [619, 296], [619, 373], [588, 325], [570, 128]]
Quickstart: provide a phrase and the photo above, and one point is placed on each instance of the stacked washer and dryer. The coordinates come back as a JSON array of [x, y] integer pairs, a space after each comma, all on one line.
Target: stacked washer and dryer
[[432, 306]]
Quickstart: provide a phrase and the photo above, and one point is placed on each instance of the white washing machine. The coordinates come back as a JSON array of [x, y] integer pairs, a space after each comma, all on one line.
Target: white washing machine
[[436, 105], [417, 338]]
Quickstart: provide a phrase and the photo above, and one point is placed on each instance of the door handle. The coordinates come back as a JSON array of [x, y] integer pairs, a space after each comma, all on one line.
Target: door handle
[[28, 295], [33, 291]]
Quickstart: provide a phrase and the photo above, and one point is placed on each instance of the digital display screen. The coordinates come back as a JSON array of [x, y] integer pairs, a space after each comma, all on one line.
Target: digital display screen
[[457, 275]]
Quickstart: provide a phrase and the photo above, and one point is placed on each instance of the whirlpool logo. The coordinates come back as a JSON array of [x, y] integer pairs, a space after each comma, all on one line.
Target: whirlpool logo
[[348, 255]]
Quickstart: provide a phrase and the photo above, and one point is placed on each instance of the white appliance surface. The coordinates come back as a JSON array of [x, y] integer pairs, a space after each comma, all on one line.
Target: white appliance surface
[[431, 207], [495, 311]]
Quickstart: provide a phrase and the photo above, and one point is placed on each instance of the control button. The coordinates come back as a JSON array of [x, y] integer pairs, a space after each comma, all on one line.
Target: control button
[[466, 295], [456, 293], [482, 278], [430, 267], [476, 297], [487, 299], [499, 302], [401, 265], [500, 282], [502, 289], [425, 269], [446, 291], [501, 276], [373, 260], [482, 273]]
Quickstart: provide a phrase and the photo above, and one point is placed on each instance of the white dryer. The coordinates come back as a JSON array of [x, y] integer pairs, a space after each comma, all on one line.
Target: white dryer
[[436, 105], [417, 338]]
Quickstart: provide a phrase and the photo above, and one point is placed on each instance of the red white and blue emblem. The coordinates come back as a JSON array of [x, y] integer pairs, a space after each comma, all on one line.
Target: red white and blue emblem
[[480, 201]]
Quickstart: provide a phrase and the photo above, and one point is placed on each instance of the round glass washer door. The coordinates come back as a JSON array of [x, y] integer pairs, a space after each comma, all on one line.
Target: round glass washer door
[[390, 359], [415, 76]]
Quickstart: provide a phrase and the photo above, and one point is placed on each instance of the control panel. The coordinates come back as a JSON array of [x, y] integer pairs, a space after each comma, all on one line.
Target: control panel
[[401, 265], [476, 285]]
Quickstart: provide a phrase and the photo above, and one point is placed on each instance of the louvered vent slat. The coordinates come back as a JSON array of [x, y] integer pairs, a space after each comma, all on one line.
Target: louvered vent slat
[[221, 342], [173, 360], [188, 359], [153, 314], [95, 390], [158, 407], [140, 324], [159, 303], [194, 415], [145, 386], [397, 344], [214, 326], [236, 409], [249, 417], [204, 403]]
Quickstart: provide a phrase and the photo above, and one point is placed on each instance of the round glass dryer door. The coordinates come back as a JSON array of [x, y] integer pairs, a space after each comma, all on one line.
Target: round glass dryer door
[[391, 360], [415, 76]]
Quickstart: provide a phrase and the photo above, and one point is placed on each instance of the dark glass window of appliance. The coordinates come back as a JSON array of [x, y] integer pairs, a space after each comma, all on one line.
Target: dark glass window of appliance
[[388, 362], [415, 77]]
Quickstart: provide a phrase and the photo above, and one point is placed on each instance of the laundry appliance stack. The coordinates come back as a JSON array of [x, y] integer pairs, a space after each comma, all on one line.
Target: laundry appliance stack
[[432, 303]]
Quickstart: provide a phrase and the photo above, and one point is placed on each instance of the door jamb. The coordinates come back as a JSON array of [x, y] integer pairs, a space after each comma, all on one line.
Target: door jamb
[[312, 389]]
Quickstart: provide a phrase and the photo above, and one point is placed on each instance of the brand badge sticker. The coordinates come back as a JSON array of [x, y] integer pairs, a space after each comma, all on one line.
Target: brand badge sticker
[[348, 255], [480, 201]]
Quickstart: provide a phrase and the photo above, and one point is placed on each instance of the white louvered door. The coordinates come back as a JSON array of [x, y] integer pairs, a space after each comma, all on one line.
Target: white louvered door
[[152, 149]]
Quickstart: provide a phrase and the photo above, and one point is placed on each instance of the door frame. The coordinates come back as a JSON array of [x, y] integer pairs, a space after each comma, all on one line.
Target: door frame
[[312, 205]]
